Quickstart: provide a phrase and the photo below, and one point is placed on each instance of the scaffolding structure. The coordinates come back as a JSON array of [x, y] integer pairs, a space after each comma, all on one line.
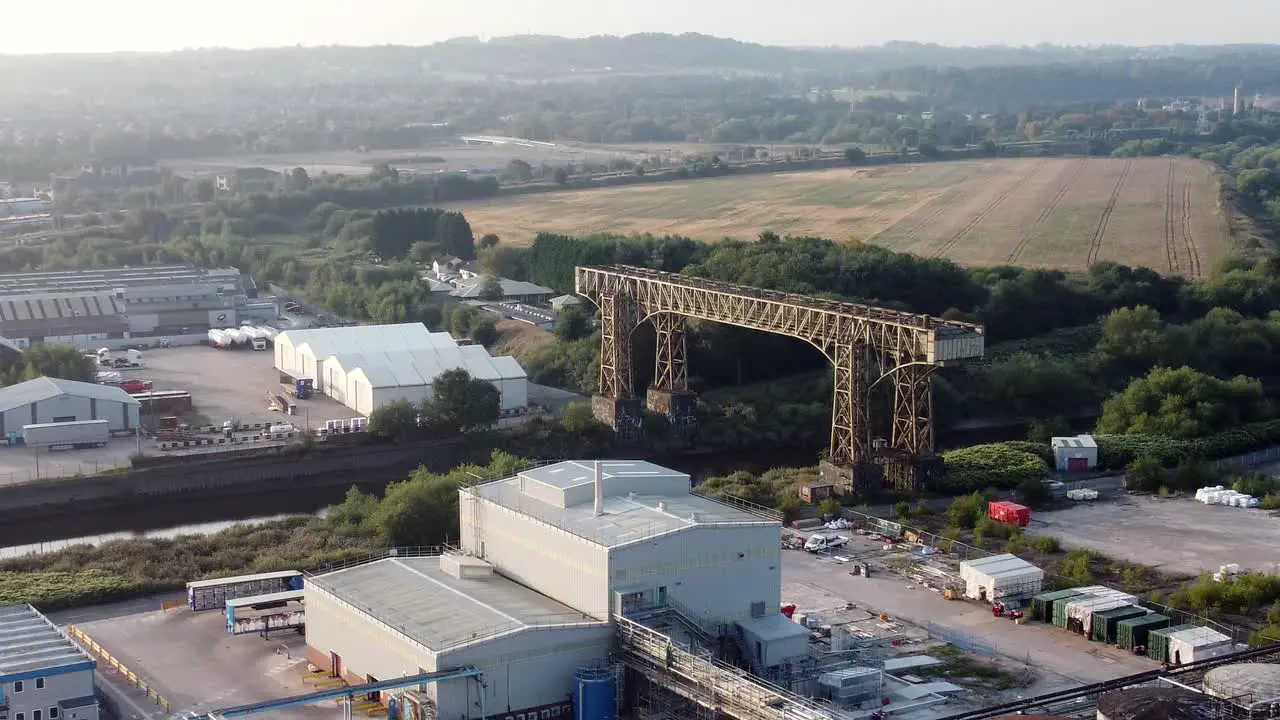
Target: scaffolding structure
[[704, 682], [866, 345]]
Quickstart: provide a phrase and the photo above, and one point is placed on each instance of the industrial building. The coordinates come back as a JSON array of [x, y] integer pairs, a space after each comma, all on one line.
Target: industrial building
[[52, 400], [368, 366], [43, 675], [81, 307], [551, 560], [1075, 454]]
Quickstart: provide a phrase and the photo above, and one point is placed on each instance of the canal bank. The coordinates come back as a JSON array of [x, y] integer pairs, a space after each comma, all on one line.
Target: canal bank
[[222, 492]]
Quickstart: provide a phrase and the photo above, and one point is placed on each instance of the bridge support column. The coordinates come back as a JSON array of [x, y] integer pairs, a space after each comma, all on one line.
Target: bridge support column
[[616, 404], [669, 394], [849, 427], [910, 464]]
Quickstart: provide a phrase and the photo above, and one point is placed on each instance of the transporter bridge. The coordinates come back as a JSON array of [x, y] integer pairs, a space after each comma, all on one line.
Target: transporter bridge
[[348, 693]]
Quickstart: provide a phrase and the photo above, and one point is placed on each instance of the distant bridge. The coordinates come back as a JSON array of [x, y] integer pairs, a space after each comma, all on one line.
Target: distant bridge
[[501, 140]]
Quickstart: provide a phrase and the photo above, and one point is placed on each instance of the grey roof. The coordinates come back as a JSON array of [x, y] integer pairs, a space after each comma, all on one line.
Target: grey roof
[[629, 516], [110, 279], [474, 287], [25, 312], [440, 611], [43, 388], [79, 702], [773, 627], [28, 641]]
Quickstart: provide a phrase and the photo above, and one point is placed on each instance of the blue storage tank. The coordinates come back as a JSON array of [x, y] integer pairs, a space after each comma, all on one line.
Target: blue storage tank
[[295, 582], [595, 694]]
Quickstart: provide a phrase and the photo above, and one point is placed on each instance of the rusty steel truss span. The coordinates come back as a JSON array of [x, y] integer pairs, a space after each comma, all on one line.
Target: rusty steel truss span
[[866, 345]]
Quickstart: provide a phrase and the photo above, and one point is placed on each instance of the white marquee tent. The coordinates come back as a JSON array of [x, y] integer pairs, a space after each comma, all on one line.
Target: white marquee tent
[[369, 366]]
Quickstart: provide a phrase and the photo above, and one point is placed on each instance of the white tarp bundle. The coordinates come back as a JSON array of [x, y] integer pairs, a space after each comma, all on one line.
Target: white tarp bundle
[[1218, 495]]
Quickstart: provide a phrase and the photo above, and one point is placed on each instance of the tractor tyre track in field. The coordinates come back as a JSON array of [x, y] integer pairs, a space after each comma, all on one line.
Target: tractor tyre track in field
[[977, 220], [1188, 237], [949, 200], [1172, 216], [1096, 245], [1046, 212]]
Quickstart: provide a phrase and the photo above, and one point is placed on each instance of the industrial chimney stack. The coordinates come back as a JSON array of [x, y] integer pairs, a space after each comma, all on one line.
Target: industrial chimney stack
[[599, 490]]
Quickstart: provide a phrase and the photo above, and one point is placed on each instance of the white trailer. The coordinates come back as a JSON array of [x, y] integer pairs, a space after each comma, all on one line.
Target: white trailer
[[75, 434], [214, 594]]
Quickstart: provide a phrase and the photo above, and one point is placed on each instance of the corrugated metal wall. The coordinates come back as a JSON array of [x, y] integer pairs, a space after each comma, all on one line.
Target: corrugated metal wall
[[716, 571]]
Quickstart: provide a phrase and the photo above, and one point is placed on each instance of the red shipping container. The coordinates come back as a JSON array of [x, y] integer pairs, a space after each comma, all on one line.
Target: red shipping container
[[1009, 512]]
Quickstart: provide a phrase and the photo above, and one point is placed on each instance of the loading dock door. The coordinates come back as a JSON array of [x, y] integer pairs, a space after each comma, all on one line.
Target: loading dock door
[[1078, 465]]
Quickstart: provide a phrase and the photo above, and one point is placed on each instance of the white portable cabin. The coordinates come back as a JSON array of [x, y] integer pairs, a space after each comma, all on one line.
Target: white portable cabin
[[1198, 644], [1001, 577]]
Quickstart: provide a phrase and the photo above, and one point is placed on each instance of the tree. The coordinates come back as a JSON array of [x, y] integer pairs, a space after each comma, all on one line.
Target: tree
[[485, 331], [1043, 431], [572, 323], [1033, 493], [396, 421], [829, 507], [45, 360], [298, 180], [491, 288], [503, 261], [517, 170], [579, 418], [855, 155], [422, 510], [487, 240], [1145, 473], [461, 403], [1132, 340], [1183, 403]]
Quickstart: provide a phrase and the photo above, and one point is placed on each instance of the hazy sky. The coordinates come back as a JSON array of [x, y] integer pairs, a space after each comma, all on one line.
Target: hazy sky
[[31, 26]]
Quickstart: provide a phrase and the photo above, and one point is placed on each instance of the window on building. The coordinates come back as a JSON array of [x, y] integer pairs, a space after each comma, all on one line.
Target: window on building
[[17, 686], [35, 714], [20, 716], [53, 713], [39, 684]]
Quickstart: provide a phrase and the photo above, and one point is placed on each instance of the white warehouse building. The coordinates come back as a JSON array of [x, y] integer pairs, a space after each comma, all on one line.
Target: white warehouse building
[[549, 560], [53, 400], [368, 366]]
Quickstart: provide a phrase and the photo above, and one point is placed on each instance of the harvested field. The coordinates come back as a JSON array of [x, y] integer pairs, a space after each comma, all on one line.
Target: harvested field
[[1064, 213]]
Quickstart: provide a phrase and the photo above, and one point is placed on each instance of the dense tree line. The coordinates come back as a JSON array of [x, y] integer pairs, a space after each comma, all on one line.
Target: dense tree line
[[394, 232]]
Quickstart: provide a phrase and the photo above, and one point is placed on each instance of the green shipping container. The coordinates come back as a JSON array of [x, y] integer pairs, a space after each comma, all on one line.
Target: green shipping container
[[1133, 632], [1060, 608], [1042, 604], [1102, 626], [1158, 641]]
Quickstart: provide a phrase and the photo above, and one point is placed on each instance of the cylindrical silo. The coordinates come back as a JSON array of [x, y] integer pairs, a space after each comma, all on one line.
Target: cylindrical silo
[[595, 694], [1245, 684], [1155, 703]]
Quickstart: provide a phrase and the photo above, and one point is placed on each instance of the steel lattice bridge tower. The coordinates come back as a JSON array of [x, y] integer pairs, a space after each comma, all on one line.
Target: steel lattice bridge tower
[[866, 345]]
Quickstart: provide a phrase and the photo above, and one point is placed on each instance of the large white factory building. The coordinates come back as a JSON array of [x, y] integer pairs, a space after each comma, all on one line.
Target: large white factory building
[[549, 558]]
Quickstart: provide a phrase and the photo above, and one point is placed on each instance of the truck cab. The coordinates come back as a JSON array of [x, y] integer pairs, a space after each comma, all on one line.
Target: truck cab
[[825, 541], [259, 343]]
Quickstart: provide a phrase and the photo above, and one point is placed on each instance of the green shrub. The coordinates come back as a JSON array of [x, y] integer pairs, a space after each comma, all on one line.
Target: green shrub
[[1000, 465], [1048, 544]]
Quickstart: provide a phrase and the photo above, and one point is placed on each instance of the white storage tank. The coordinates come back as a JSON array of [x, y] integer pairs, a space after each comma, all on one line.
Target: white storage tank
[[1246, 684]]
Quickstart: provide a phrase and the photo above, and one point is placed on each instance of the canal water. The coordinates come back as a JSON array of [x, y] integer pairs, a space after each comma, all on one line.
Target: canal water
[[172, 517]]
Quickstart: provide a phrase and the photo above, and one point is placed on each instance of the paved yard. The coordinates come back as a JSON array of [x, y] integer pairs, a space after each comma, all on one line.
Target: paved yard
[[1180, 536], [191, 661], [1063, 659]]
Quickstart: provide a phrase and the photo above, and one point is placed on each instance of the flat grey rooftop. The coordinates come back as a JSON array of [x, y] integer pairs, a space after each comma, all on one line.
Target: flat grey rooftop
[[629, 515], [440, 611], [572, 473], [29, 642]]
